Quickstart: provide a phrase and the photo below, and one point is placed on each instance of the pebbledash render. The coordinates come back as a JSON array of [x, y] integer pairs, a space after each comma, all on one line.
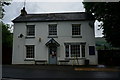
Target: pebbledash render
[[54, 38]]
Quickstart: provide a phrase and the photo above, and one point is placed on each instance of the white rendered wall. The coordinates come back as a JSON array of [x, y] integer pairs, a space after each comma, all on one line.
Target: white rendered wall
[[64, 34]]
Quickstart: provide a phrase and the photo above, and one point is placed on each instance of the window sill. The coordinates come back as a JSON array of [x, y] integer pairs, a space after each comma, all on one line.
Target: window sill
[[27, 37], [66, 60], [54, 36], [40, 60], [76, 36], [29, 59]]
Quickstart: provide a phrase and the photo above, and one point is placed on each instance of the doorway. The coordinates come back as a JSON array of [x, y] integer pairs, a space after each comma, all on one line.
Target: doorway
[[52, 55], [52, 51]]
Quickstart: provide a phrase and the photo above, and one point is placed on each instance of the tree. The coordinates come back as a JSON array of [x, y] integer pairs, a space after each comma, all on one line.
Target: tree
[[6, 44], [6, 38], [6, 35], [107, 12]]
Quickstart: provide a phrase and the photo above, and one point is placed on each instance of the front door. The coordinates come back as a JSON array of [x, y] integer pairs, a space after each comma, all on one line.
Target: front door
[[52, 55]]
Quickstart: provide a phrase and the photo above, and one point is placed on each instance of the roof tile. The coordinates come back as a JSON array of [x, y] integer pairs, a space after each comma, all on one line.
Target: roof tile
[[72, 16]]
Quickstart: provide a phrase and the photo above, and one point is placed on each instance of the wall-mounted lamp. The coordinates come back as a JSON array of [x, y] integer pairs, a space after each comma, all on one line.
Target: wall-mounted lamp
[[20, 36], [39, 39]]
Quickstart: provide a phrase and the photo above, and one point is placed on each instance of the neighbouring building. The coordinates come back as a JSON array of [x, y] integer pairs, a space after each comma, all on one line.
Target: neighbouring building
[[54, 38]]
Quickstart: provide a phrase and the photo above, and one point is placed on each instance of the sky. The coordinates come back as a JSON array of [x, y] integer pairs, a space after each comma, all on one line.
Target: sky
[[45, 6]]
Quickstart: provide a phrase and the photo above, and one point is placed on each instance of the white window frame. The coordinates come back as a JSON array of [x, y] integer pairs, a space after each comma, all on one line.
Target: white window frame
[[28, 58], [27, 31], [77, 35], [55, 30], [81, 55]]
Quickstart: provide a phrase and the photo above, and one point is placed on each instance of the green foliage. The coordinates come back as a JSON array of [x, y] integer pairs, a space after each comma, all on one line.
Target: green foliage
[[108, 13], [6, 36], [5, 3]]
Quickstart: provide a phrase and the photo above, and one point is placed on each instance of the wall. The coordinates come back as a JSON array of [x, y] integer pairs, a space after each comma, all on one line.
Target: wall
[[41, 31]]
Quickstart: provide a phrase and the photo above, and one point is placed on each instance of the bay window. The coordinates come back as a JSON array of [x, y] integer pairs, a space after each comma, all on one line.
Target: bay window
[[74, 50]]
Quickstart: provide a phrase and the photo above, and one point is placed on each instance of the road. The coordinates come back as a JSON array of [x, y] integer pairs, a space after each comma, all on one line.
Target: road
[[30, 72]]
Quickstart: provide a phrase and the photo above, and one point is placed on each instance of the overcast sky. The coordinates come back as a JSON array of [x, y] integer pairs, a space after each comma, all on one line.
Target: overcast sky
[[46, 6]]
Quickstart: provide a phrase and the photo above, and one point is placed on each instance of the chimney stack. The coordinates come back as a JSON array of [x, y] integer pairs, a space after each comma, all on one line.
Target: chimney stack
[[23, 12]]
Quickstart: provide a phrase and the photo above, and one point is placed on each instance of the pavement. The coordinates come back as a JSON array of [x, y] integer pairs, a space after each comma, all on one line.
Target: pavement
[[98, 68], [68, 67]]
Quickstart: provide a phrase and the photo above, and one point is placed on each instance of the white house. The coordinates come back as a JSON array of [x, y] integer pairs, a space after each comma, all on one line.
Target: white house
[[54, 38]]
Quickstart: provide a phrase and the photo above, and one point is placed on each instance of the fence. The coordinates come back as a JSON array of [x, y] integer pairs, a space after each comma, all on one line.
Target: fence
[[109, 57]]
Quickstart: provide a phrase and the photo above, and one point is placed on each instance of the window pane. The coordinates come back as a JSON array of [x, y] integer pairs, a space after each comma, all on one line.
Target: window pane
[[67, 50], [83, 50], [30, 30], [91, 50], [75, 50], [76, 29], [30, 51], [52, 29]]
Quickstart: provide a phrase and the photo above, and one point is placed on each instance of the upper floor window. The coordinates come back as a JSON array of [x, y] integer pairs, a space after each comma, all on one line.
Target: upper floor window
[[76, 29], [30, 51], [30, 30], [53, 29]]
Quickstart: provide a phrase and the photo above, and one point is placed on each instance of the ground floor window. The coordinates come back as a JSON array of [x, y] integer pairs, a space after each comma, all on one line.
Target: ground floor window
[[30, 51], [75, 50]]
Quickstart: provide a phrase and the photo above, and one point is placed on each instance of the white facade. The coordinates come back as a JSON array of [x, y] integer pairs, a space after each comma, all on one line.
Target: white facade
[[41, 38], [64, 36]]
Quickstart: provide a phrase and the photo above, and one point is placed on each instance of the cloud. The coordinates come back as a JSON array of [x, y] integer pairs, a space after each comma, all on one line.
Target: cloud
[[55, 7], [13, 10]]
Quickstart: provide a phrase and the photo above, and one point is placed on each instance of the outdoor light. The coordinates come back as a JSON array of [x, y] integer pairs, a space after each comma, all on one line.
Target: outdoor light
[[39, 39]]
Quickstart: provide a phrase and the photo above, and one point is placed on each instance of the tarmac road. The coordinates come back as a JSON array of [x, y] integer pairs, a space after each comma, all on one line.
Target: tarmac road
[[65, 72]]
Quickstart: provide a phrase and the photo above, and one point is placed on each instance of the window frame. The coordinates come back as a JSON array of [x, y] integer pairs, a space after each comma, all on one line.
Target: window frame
[[29, 58], [81, 53], [74, 33], [28, 33], [74, 49], [52, 30]]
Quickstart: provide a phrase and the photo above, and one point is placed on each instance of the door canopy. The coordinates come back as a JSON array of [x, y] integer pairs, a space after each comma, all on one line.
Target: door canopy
[[52, 42]]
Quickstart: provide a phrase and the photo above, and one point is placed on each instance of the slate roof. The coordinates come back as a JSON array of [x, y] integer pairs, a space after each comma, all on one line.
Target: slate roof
[[71, 16]]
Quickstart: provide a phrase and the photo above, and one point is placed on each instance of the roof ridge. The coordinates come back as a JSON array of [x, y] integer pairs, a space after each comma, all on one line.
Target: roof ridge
[[55, 13], [66, 16]]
